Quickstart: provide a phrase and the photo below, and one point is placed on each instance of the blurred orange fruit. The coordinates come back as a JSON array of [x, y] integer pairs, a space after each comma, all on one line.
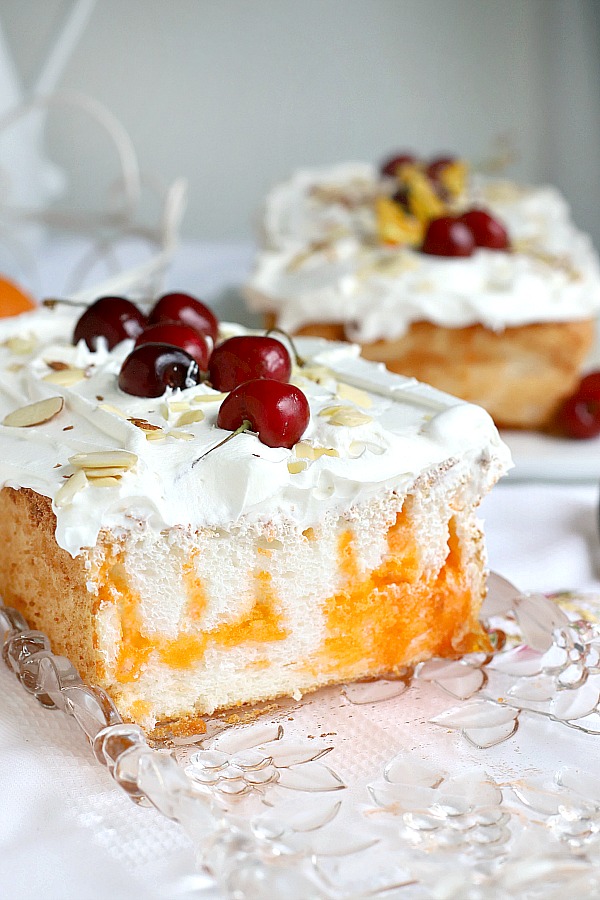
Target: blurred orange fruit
[[13, 300]]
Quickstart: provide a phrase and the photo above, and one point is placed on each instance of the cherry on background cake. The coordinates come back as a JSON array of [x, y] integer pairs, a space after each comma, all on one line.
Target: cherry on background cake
[[482, 287], [194, 545]]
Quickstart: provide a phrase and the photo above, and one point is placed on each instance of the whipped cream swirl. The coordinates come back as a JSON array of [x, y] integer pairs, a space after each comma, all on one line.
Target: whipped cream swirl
[[322, 261], [405, 429]]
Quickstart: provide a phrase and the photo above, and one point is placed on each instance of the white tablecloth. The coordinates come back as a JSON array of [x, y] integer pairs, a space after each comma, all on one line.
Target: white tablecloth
[[66, 833]]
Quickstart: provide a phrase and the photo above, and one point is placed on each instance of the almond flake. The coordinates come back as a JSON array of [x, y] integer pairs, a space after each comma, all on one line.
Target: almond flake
[[104, 459], [15, 367], [325, 451], [144, 424], [105, 482], [34, 413], [182, 435], [65, 378], [20, 345], [75, 483], [106, 472], [207, 398], [57, 366], [189, 417], [347, 392], [155, 435], [178, 405], [304, 451], [331, 410], [318, 374], [349, 417], [108, 407], [296, 465]]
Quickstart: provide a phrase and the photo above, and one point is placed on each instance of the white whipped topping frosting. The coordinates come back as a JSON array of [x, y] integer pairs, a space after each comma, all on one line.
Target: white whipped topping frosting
[[412, 428], [322, 262]]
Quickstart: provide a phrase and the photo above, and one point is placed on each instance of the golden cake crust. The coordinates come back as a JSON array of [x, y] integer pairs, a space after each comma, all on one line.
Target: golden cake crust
[[520, 375]]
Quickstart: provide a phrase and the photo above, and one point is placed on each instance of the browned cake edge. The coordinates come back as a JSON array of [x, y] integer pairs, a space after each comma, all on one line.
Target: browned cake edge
[[520, 375]]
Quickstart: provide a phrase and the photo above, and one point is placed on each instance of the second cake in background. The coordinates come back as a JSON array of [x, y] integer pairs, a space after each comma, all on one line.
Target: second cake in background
[[483, 288]]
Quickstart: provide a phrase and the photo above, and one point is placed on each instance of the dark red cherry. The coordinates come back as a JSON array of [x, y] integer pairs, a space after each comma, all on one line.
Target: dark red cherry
[[487, 231], [589, 386], [245, 357], [579, 416], [391, 165], [112, 318], [437, 166], [186, 309], [448, 236], [178, 335], [278, 412], [150, 369]]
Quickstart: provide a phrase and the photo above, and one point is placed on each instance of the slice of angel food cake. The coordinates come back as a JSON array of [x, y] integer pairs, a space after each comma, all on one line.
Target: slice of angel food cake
[[199, 518]]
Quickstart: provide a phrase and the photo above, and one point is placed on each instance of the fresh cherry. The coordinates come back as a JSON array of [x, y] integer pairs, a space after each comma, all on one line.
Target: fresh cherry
[[150, 369], [278, 412], [487, 231], [390, 166], [448, 236], [579, 416], [178, 335], [185, 309], [244, 357], [112, 318]]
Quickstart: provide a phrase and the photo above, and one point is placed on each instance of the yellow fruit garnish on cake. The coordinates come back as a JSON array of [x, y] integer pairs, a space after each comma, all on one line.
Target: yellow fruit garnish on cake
[[423, 201], [13, 300], [454, 177], [396, 227]]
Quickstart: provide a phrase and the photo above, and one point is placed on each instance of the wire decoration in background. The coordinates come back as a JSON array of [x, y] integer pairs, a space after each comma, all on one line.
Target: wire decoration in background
[[29, 182]]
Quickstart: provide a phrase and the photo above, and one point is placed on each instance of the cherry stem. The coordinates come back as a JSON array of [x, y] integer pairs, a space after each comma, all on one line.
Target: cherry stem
[[245, 426], [300, 361], [51, 302]]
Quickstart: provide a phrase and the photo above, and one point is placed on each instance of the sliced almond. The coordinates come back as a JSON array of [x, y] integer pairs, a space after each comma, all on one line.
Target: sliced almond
[[75, 483], [108, 407], [304, 451], [106, 472], [178, 405], [15, 367], [34, 413], [318, 374], [144, 424], [57, 366], [65, 377], [105, 482], [331, 410], [354, 395], [349, 418], [104, 459], [207, 398], [325, 451], [295, 466], [20, 345], [155, 435], [182, 435], [189, 417]]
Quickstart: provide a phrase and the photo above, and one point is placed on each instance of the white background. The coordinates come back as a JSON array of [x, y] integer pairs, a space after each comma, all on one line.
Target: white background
[[234, 94]]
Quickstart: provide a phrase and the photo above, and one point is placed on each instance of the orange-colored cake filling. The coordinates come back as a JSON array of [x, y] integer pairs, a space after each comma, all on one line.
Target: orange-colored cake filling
[[394, 615], [260, 624], [389, 617]]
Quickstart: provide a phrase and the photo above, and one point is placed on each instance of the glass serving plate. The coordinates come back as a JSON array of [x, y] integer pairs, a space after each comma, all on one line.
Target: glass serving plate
[[468, 778]]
